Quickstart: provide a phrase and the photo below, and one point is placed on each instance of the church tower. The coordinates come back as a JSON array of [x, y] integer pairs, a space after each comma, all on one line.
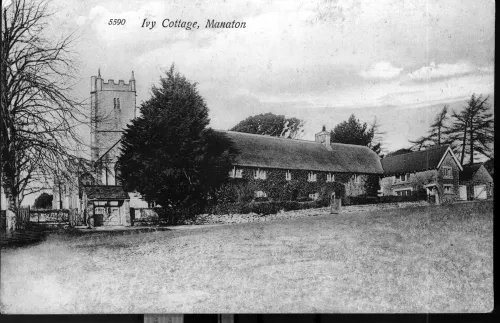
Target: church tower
[[113, 106]]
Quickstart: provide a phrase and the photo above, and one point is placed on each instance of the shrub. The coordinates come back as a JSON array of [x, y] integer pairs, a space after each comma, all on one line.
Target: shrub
[[399, 199], [245, 192]]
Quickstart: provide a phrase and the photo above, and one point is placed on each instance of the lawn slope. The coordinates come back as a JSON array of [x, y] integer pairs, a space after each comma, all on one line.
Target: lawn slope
[[426, 259]]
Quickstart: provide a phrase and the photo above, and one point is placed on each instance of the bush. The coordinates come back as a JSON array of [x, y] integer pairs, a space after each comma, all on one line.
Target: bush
[[399, 199], [363, 199], [359, 200]]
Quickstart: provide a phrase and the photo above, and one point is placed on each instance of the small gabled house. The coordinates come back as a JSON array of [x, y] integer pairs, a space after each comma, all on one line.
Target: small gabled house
[[434, 171], [475, 182], [271, 162], [106, 205]]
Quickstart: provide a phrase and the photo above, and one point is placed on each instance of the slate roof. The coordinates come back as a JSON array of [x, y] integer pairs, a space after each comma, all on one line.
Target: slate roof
[[469, 170], [413, 162], [272, 152], [105, 192]]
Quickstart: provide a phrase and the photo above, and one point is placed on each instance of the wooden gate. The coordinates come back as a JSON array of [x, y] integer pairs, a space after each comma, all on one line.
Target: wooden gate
[[22, 218]]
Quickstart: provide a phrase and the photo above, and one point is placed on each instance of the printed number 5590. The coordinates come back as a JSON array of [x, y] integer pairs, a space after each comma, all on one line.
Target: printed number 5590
[[116, 22]]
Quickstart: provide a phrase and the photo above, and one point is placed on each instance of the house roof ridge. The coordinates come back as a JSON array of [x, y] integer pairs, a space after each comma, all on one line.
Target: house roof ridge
[[288, 139], [349, 145], [420, 151], [265, 136]]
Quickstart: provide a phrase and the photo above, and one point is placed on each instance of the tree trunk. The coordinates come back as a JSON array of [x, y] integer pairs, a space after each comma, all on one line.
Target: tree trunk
[[439, 136], [471, 144], [463, 146]]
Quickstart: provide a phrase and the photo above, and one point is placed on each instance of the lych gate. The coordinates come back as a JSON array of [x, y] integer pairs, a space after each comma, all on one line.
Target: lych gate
[[106, 205]]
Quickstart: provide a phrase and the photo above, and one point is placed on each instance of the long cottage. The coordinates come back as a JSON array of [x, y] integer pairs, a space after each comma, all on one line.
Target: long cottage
[[263, 160]]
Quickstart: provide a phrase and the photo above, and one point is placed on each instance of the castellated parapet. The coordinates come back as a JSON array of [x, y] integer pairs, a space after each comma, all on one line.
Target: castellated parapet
[[113, 106]]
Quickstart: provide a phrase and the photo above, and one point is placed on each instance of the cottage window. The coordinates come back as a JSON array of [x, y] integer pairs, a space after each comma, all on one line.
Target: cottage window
[[259, 174], [260, 194], [404, 192], [448, 189], [314, 196], [288, 175], [356, 178], [311, 177], [447, 172], [330, 177], [236, 173]]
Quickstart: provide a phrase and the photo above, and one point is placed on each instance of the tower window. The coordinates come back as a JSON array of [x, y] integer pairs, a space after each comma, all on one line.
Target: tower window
[[118, 103]]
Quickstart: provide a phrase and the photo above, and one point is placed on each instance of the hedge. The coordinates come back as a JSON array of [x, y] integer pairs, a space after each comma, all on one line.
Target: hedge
[[362, 199]]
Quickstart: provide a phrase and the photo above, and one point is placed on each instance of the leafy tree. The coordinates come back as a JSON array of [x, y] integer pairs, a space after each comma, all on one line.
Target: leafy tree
[[473, 129], [43, 201], [38, 116], [354, 132], [272, 125], [169, 154], [436, 134]]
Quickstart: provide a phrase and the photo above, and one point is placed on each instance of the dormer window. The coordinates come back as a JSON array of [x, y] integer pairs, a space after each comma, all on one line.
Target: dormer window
[[403, 177], [311, 177], [259, 174], [236, 173], [288, 175], [330, 177]]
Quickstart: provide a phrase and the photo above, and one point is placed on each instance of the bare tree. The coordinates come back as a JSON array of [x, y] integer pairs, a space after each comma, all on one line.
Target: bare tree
[[378, 143], [38, 115]]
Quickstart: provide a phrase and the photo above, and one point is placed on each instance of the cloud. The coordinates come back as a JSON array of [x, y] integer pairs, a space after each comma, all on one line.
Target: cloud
[[433, 71], [381, 70]]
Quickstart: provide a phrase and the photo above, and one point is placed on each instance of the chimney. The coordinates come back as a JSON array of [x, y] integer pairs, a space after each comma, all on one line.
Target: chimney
[[323, 137]]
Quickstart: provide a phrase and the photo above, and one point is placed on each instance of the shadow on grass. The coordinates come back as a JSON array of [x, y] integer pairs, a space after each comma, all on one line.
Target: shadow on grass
[[24, 238], [21, 238]]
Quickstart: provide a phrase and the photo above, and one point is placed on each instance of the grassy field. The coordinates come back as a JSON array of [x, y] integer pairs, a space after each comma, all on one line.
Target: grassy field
[[426, 259]]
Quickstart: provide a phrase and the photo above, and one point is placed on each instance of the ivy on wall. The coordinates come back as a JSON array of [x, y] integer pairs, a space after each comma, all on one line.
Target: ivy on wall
[[277, 188]]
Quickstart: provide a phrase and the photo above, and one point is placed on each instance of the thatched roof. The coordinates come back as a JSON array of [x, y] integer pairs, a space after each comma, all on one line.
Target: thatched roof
[[105, 192], [416, 161], [272, 152]]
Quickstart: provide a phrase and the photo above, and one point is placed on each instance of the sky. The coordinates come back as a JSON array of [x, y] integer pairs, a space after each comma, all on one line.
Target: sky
[[398, 61], [320, 61]]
